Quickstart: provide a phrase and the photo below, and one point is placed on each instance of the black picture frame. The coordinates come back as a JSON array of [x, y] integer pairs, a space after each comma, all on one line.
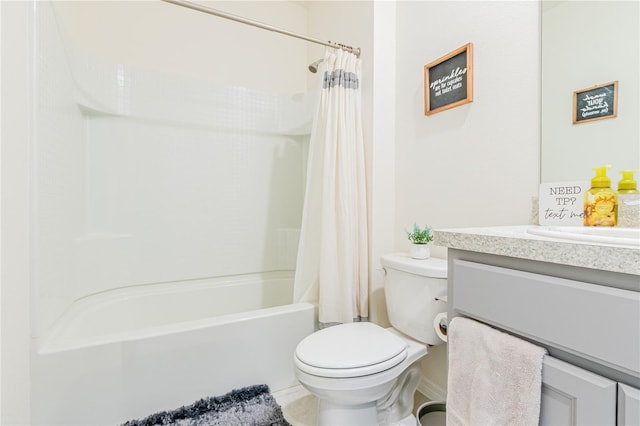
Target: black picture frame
[[448, 81], [595, 103]]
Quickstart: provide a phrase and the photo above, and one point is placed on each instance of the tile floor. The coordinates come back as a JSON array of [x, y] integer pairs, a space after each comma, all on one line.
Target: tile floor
[[299, 406]]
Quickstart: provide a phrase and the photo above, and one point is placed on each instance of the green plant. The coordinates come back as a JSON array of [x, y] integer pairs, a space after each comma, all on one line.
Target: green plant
[[420, 236]]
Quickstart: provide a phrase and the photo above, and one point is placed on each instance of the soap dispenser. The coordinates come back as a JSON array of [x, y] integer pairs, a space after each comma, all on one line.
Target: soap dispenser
[[628, 201], [600, 201]]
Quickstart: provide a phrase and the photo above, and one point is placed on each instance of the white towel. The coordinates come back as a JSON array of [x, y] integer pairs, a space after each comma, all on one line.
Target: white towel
[[494, 378]]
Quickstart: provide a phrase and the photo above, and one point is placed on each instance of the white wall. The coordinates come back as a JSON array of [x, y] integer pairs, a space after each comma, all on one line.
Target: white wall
[[476, 164], [382, 191], [186, 42], [15, 169]]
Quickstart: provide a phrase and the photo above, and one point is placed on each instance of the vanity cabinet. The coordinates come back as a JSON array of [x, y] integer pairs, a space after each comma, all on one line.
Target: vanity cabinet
[[628, 405], [587, 319], [574, 396]]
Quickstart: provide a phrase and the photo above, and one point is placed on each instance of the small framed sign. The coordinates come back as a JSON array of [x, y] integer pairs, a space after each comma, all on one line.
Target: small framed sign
[[595, 103], [448, 81], [562, 203]]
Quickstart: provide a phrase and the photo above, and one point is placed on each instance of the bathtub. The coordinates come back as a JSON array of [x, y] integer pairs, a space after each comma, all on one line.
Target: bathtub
[[127, 353]]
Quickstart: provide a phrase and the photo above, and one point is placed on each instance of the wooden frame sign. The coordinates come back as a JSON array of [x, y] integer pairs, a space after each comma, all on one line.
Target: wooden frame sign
[[595, 103], [448, 81]]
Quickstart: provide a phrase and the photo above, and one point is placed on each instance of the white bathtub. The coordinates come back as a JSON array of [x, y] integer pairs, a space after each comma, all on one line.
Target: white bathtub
[[126, 353]]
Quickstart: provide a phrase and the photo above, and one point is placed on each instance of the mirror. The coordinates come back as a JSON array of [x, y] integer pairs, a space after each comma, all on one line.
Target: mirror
[[586, 44]]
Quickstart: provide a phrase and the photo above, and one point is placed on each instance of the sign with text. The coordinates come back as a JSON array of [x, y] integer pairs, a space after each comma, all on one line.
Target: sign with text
[[562, 203], [595, 103], [448, 81]]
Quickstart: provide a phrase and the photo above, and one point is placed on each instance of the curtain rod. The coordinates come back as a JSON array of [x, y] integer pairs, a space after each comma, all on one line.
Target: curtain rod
[[236, 18]]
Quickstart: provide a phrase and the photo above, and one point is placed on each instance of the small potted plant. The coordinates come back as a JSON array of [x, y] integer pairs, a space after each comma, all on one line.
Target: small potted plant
[[420, 238]]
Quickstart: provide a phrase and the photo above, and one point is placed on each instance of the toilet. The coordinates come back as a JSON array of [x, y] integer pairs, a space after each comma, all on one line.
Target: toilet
[[364, 374]]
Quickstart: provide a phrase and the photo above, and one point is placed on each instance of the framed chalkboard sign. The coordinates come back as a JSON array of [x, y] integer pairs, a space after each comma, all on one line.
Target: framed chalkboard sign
[[595, 103], [448, 81]]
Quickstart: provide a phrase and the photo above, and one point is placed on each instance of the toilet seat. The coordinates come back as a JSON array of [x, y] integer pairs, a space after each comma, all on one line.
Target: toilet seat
[[350, 350]]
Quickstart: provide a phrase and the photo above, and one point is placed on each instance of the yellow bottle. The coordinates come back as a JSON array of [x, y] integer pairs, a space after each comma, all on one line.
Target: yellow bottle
[[600, 202]]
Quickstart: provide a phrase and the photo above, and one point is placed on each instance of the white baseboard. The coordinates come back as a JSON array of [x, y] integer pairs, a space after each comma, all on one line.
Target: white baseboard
[[432, 390]]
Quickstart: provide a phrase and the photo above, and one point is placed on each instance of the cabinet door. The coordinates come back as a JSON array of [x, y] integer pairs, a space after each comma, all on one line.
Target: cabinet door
[[628, 405], [573, 396]]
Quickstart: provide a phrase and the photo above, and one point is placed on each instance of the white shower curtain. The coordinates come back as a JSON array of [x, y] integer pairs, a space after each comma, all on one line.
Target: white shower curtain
[[332, 263]]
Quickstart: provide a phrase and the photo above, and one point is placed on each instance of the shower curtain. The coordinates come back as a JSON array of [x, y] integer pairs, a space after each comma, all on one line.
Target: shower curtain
[[332, 263]]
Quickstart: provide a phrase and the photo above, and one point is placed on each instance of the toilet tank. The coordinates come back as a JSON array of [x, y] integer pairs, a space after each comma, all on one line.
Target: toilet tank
[[411, 287]]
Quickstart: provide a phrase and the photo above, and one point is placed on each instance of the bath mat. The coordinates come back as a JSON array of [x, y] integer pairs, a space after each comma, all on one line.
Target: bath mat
[[250, 406]]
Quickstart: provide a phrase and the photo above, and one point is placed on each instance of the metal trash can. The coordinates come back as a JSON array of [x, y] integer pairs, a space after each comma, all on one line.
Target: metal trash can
[[432, 413]]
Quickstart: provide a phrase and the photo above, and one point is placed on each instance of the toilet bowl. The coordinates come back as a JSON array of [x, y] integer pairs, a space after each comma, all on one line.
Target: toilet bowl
[[364, 374]]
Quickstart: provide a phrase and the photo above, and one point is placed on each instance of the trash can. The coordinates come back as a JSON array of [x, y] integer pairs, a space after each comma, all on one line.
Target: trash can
[[432, 413]]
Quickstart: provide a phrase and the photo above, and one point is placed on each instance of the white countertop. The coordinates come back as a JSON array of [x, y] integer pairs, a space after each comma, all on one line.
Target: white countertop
[[515, 241]]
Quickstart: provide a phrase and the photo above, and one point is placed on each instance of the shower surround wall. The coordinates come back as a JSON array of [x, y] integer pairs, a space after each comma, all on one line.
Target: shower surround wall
[[145, 177], [148, 180]]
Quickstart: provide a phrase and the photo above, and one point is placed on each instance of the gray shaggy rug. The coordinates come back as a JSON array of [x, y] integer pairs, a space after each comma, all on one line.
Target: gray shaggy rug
[[250, 406]]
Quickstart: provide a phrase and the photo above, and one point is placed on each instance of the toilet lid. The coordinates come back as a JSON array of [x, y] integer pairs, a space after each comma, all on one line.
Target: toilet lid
[[350, 350]]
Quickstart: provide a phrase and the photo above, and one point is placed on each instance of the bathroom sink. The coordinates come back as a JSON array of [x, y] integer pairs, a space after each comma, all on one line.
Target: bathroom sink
[[589, 234]]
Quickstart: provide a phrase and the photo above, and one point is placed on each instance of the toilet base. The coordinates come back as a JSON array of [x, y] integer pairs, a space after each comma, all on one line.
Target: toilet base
[[331, 414], [364, 415], [410, 420]]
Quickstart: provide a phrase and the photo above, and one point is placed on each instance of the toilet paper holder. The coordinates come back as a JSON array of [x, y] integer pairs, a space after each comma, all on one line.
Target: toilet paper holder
[[442, 324]]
